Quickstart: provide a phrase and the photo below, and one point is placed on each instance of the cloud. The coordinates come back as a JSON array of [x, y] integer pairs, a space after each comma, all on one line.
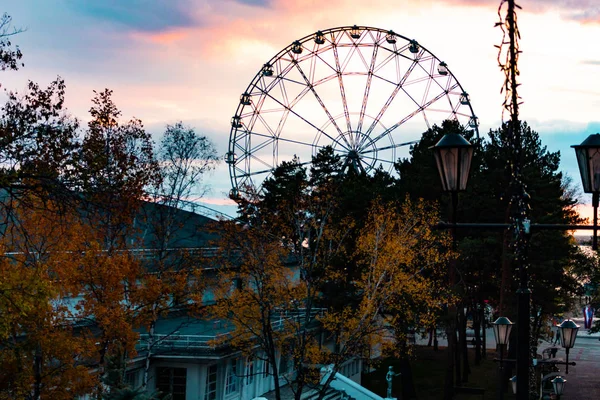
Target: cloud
[[261, 3], [591, 62], [139, 15], [583, 11]]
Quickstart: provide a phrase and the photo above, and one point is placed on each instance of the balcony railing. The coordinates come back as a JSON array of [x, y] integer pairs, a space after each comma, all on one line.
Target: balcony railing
[[177, 341]]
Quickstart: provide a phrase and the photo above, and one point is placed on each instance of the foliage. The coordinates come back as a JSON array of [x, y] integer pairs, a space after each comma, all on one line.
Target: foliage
[[40, 352], [9, 57], [296, 242], [115, 165]]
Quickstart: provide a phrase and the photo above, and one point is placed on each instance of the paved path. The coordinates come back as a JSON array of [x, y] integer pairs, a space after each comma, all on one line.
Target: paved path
[[583, 380]]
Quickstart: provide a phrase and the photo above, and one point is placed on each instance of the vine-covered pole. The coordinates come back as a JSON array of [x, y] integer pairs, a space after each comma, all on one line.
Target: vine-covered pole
[[519, 199]]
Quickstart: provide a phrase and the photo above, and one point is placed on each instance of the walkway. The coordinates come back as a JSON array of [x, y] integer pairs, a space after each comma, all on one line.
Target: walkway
[[583, 380]]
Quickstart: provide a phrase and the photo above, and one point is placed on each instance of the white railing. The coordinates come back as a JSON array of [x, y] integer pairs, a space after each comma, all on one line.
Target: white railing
[[177, 341]]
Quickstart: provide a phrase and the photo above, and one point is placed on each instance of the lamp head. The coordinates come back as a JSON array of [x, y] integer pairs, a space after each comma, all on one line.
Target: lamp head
[[588, 159], [502, 328], [568, 331], [453, 156]]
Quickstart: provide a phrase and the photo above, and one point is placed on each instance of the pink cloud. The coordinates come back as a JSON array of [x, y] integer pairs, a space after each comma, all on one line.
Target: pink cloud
[[165, 37]]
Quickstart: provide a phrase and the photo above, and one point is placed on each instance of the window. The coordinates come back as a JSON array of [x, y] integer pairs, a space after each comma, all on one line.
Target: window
[[232, 379], [250, 371], [211, 383], [283, 364], [172, 381], [131, 379], [265, 368]]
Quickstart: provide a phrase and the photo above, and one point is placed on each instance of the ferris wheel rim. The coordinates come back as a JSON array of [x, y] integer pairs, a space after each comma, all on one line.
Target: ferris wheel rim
[[469, 112]]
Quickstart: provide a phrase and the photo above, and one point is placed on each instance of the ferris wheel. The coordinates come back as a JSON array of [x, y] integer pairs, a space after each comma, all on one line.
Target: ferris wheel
[[368, 93]]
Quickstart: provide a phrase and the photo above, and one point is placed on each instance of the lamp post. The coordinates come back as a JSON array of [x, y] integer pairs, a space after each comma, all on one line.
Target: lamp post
[[588, 159], [453, 154], [568, 330], [502, 328]]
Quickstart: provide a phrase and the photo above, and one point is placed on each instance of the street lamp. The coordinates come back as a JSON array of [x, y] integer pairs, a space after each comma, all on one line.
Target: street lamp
[[558, 384], [502, 328], [568, 330], [588, 159], [453, 155]]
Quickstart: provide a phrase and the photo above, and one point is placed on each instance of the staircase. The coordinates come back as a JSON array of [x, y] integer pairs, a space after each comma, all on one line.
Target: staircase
[[344, 388]]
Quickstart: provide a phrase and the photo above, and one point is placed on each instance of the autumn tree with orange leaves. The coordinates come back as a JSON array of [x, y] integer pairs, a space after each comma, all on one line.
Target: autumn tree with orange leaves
[[40, 352], [274, 265]]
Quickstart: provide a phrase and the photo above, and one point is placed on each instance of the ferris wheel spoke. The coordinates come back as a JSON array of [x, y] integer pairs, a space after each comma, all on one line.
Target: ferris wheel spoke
[[320, 131], [367, 88], [428, 85], [320, 101], [280, 139], [389, 100], [394, 146], [377, 159], [342, 89], [407, 117], [266, 171]]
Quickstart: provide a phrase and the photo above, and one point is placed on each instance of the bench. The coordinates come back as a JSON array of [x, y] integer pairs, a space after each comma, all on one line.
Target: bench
[[548, 353], [470, 390]]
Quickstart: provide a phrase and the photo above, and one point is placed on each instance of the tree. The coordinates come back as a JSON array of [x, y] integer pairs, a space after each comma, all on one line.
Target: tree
[[486, 258], [116, 165], [37, 143], [41, 355], [293, 243], [184, 157], [9, 57]]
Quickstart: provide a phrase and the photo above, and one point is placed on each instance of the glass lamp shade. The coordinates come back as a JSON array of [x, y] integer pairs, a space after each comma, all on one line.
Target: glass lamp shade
[[568, 330], [588, 159], [558, 384], [513, 384], [453, 155], [502, 328]]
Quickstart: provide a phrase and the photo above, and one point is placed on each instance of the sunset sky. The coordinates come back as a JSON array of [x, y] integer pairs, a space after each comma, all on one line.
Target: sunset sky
[[189, 60]]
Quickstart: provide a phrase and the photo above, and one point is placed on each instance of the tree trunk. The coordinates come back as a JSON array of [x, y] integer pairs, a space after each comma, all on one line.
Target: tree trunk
[[477, 331], [408, 385], [37, 370], [148, 354], [451, 335]]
